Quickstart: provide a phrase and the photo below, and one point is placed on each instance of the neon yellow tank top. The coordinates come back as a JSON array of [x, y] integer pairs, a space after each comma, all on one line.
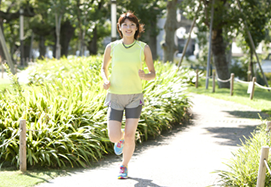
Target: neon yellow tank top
[[126, 62]]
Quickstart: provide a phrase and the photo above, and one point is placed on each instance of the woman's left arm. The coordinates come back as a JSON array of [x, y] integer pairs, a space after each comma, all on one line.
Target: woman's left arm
[[149, 63]]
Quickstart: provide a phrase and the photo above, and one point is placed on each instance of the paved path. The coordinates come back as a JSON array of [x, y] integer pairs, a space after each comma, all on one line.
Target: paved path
[[185, 157]]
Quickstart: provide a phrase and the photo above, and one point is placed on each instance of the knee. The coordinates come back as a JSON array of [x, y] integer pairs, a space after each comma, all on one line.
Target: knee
[[114, 137], [129, 139]]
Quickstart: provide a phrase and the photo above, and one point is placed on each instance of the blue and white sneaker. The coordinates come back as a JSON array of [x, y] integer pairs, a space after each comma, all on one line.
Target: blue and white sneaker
[[123, 174], [118, 147]]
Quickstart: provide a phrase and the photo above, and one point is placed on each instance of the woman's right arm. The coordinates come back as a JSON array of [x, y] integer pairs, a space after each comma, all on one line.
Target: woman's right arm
[[104, 69]]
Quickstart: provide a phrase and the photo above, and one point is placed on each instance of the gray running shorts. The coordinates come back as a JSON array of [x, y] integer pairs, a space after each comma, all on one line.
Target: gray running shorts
[[117, 115], [130, 103]]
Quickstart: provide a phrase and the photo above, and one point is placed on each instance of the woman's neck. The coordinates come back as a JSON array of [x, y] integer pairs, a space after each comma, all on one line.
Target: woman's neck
[[128, 41]]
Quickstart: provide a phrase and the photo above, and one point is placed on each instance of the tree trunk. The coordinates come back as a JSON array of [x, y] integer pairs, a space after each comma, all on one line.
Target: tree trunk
[[2, 54], [151, 38], [31, 48], [170, 27], [153, 44], [9, 16], [250, 67], [12, 51], [81, 43], [220, 58], [1, 25], [81, 30], [67, 33], [26, 53], [42, 48], [58, 28], [92, 45]]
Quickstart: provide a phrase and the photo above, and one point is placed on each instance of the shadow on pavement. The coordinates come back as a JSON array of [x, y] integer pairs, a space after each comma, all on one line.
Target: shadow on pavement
[[140, 147], [232, 136], [248, 114], [162, 139], [33, 176], [144, 182]]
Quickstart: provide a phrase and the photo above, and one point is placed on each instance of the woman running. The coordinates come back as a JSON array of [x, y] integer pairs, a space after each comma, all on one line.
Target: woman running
[[124, 85]]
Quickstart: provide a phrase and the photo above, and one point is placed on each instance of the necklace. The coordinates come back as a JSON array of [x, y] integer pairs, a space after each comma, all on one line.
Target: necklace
[[127, 47]]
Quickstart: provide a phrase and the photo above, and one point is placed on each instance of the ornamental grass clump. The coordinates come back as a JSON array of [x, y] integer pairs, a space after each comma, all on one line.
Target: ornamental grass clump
[[243, 167], [63, 105]]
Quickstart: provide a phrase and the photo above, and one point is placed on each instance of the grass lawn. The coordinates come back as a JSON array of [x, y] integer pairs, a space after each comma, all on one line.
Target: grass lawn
[[261, 99], [12, 178]]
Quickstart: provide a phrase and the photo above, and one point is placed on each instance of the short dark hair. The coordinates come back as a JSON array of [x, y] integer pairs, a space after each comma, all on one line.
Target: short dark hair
[[130, 16]]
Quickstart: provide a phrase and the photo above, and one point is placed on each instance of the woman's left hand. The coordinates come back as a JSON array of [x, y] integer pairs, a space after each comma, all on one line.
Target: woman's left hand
[[106, 85], [141, 74]]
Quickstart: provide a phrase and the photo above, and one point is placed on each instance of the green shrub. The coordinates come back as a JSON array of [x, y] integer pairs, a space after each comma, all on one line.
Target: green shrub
[[63, 104], [268, 77], [239, 68], [243, 167]]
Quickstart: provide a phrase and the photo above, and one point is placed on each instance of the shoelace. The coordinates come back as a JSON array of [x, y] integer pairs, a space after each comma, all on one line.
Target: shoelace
[[122, 169], [119, 144]]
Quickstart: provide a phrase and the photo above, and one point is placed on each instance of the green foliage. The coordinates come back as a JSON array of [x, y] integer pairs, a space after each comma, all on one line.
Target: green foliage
[[148, 12], [166, 103], [256, 22], [66, 118], [239, 68], [268, 77], [229, 17], [90, 22], [260, 79], [231, 23], [243, 167]]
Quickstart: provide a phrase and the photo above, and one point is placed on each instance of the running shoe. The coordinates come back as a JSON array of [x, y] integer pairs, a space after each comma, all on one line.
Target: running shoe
[[123, 174], [118, 147]]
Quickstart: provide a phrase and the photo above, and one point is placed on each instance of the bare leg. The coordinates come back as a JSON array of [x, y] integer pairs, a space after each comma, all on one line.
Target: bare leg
[[114, 131], [129, 140]]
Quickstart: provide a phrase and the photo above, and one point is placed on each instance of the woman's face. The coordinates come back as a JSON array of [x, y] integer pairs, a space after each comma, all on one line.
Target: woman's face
[[128, 28]]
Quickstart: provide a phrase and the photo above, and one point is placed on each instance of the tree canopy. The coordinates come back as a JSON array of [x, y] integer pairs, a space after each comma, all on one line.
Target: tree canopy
[[79, 25], [84, 23], [229, 22]]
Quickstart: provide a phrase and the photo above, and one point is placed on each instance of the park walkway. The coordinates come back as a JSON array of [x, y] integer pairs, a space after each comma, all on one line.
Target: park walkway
[[185, 157]]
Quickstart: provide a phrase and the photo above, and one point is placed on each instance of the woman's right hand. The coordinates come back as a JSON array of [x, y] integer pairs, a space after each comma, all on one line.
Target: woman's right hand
[[106, 85]]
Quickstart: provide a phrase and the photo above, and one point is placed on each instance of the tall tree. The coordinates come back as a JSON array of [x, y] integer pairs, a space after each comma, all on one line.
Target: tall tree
[[58, 9], [9, 16], [170, 27], [80, 8], [228, 22], [97, 29], [51, 31], [67, 33], [42, 24], [256, 24], [89, 19], [43, 28], [148, 11]]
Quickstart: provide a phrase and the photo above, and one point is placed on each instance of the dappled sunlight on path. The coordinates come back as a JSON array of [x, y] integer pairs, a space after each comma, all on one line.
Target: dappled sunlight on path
[[185, 157]]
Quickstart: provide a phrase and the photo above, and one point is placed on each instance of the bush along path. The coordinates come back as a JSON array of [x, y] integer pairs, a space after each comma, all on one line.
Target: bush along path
[[63, 108], [187, 156]]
